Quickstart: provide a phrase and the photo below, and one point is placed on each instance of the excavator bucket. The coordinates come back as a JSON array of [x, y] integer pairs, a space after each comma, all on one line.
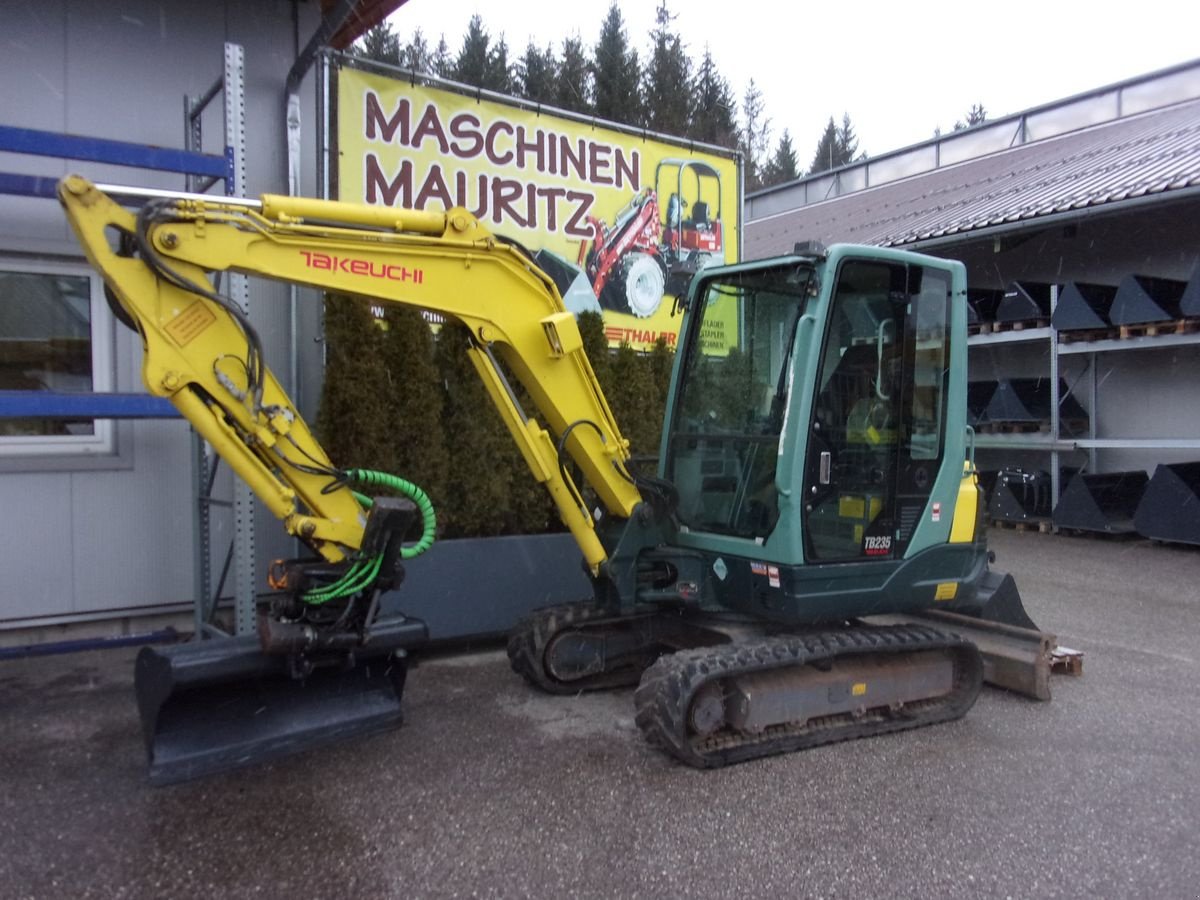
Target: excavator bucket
[[213, 705]]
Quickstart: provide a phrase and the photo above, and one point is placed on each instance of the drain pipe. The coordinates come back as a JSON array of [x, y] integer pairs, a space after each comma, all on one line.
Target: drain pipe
[[304, 60]]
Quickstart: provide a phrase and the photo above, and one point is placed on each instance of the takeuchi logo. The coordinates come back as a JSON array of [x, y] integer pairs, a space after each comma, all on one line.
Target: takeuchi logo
[[354, 266]]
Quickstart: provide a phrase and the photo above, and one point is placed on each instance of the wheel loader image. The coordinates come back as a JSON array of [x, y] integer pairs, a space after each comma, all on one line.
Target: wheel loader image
[[814, 475], [649, 251]]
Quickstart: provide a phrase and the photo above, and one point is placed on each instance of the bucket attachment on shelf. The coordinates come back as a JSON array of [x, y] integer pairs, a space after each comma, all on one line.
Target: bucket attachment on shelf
[[1189, 303], [1024, 301], [1020, 495], [213, 705], [1170, 507], [1083, 307], [1101, 502], [1141, 300]]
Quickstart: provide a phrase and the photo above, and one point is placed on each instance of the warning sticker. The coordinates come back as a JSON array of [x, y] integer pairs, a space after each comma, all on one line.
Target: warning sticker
[[947, 590], [937, 512], [758, 568], [773, 575], [190, 324]]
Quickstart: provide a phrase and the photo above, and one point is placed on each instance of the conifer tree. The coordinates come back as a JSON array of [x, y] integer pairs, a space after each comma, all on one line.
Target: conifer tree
[[713, 117], [595, 344], [352, 422], [417, 55], [414, 421], [616, 72], [477, 490], [441, 64], [837, 146], [976, 115], [574, 88], [380, 44], [632, 400], [753, 136], [499, 72], [473, 65], [783, 166], [537, 72], [667, 82]]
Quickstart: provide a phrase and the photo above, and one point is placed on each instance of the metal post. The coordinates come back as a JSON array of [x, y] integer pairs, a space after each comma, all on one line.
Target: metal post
[[1054, 401], [245, 580]]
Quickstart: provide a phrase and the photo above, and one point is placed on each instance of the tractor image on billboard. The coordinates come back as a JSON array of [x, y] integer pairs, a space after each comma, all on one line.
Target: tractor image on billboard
[[648, 251]]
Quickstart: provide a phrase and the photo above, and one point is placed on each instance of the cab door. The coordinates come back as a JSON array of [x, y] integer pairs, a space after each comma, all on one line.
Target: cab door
[[877, 434]]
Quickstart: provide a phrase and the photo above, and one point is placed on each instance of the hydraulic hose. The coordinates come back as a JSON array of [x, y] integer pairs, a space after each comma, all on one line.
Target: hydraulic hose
[[364, 572], [413, 493]]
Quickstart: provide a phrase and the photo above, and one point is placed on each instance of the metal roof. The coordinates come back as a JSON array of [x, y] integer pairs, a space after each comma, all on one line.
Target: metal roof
[[1155, 153]]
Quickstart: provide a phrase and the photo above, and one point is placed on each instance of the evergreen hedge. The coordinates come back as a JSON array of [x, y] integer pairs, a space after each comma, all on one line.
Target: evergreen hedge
[[398, 399]]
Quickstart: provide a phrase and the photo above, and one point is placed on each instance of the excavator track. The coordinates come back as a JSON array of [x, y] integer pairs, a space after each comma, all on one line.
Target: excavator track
[[529, 641], [729, 703]]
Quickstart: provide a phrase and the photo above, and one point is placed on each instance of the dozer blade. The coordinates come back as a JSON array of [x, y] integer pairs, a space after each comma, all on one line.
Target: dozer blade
[[214, 705]]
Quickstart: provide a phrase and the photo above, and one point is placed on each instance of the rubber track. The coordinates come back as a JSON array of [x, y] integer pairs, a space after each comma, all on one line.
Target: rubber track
[[663, 697], [527, 648]]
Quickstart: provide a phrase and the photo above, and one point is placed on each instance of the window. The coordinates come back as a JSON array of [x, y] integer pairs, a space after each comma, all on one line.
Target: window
[[729, 415], [55, 336]]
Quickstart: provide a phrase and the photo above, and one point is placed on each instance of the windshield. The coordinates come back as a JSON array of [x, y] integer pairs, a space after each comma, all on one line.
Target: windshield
[[729, 413]]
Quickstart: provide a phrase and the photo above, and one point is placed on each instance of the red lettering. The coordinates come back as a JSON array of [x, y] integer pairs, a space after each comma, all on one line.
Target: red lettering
[[552, 195], [577, 225], [430, 126], [599, 163], [498, 159], [465, 127], [504, 192], [537, 147], [575, 160], [380, 190], [434, 188], [629, 169], [379, 126], [359, 267]]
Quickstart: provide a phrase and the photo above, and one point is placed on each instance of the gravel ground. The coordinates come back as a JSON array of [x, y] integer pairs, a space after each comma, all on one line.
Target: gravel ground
[[492, 790]]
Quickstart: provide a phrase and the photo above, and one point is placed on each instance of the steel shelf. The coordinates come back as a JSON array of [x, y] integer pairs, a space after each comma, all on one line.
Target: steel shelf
[[1024, 442], [1144, 342], [1024, 336]]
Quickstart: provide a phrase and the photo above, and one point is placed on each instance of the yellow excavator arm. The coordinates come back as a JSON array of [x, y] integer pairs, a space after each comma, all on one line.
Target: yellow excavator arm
[[202, 353]]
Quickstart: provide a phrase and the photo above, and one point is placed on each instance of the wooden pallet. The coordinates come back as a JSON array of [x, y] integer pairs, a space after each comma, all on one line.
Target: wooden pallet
[[1154, 329], [1019, 325], [1042, 526], [1087, 334], [1013, 428]]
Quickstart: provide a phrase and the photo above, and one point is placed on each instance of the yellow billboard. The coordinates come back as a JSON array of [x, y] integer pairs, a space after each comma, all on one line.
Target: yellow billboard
[[621, 221]]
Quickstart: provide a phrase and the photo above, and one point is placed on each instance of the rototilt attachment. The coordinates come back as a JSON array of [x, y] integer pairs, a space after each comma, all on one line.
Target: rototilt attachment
[[213, 705]]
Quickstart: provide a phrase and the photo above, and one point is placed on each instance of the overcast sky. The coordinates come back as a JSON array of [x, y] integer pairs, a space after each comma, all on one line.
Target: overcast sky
[[899, 69]]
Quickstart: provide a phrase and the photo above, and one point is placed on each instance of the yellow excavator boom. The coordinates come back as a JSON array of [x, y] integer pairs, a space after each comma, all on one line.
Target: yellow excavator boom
[[201, 351]]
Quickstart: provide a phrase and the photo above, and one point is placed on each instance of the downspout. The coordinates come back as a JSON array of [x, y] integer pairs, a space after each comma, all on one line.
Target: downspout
[[304, 60]]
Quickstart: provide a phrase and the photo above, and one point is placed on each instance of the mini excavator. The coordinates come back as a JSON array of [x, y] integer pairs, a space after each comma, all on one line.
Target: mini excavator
[[815, 472]]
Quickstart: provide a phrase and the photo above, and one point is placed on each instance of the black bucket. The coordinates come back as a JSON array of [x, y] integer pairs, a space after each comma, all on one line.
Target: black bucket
[[1142, 300], [1101, 502], [1189, 303], [1083, 307], [1170, 507], [1024, 301], [1024, 404], [1020, 495], [212, 705]]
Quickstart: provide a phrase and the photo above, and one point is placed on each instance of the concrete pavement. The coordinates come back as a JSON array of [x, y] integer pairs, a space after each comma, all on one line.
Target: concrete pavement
[[492, 790]]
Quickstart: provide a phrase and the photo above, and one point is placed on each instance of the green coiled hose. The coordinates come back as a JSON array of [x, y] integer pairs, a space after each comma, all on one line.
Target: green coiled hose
[[364, 571], [413, 493]]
